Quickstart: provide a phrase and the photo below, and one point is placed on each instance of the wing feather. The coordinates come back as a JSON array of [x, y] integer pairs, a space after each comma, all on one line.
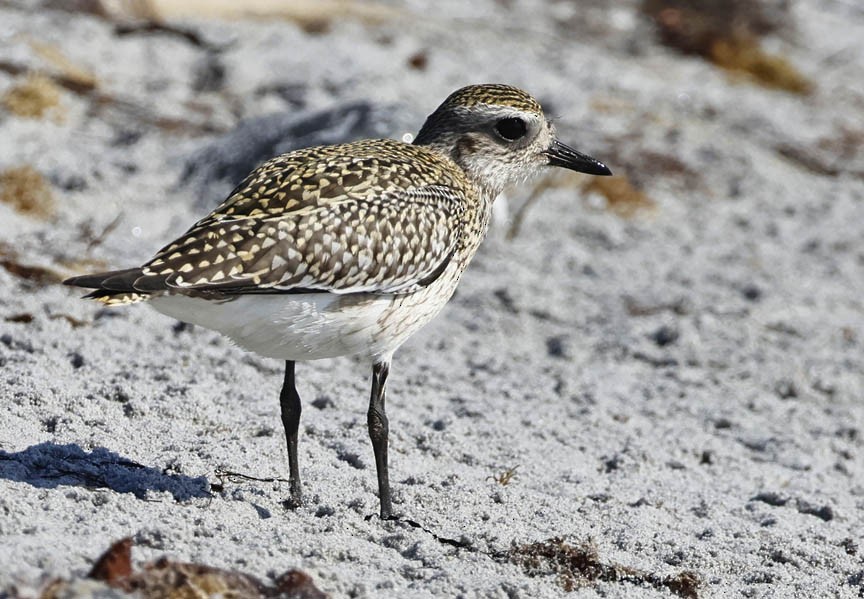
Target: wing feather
[[364, 217]]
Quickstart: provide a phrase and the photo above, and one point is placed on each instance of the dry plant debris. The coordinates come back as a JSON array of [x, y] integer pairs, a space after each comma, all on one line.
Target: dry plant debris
[[314, 16], [505, 477], [33, 97], [578, 566], [166, 579], [831, 155], [66, 73], [39, 275], [22, 317], [622, 197], [27, 191], [727, 33], [42, 274]]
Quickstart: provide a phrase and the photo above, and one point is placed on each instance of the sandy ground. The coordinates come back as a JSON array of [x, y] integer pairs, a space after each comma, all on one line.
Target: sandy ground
[[679, 386]]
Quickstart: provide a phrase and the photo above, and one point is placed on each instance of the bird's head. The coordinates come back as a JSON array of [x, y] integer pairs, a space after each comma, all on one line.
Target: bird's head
[[499, 135]]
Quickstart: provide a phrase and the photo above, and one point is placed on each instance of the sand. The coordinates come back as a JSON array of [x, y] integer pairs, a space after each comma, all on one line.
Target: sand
[[674, 381]]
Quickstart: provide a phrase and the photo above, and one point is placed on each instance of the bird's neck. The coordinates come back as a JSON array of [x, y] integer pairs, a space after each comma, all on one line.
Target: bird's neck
[[460, 149]]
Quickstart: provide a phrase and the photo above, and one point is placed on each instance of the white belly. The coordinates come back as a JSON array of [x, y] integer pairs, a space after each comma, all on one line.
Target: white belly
[[290, 327], [310, 326], [316, 325]]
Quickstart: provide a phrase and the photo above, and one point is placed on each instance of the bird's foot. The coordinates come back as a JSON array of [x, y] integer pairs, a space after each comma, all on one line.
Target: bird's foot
[[294, 501], [384, 517]]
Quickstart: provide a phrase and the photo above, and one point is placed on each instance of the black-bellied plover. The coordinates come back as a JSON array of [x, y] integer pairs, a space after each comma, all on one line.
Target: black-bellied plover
[[349, 249]]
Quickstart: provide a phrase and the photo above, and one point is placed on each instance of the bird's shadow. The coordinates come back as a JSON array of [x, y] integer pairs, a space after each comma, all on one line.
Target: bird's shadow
[[49, 465]]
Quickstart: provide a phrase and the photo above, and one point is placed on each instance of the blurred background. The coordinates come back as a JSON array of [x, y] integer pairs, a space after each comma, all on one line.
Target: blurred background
[[675, 95]]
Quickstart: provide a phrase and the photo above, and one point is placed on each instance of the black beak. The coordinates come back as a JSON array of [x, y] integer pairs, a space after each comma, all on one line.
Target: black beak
[[566, 157]]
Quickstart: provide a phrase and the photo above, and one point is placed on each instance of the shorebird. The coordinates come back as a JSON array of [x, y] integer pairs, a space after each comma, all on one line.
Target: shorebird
[[349, 249]]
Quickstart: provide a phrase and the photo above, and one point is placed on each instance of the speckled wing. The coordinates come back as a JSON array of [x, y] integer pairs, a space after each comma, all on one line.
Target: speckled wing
[[375, 216]]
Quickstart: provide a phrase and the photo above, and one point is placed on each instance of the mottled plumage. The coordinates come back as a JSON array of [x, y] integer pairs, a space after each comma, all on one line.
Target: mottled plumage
[[491, 94], [348, 249], [377, 215]]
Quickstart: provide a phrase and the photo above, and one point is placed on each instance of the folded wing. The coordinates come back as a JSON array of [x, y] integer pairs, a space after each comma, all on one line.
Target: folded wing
[[375, 223]]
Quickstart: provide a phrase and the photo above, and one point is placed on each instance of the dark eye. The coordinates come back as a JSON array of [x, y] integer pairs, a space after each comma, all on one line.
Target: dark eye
[[511, 129]]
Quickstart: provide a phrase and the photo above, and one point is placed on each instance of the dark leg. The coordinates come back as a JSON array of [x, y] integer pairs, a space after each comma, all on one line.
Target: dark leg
[[290, 401], [378, 430]]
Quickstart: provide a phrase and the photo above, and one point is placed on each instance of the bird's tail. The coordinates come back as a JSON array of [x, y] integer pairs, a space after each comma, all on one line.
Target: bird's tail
[[113, 288]]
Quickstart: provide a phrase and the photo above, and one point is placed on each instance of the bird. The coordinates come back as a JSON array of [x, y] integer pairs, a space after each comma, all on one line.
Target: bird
[[349, 249]]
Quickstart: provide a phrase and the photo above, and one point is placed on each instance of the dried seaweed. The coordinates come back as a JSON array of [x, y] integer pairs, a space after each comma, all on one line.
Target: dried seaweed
[[578, 566]]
